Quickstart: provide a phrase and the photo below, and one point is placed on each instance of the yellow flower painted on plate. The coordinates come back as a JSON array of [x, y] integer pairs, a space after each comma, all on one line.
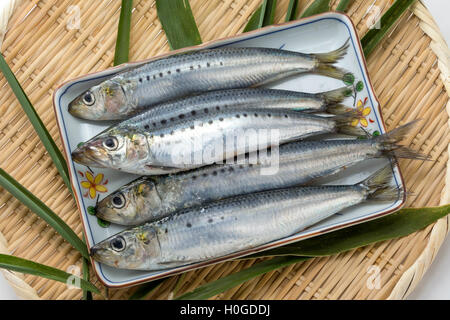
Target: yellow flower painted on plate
[[361, 113], [94, 184]]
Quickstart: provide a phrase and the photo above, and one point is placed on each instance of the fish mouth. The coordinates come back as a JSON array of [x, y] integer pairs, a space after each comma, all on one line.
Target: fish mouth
[[85, 156]]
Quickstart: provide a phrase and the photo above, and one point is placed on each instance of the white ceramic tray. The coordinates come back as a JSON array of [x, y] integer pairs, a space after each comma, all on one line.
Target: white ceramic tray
[[320, 33]]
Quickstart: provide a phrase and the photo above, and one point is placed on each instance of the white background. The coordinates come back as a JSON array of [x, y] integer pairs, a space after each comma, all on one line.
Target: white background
[[436, 282]]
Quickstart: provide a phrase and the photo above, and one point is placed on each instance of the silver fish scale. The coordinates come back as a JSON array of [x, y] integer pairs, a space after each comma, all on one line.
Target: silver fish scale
[[256, 97], [192, 136], [299, 162], [243, 222], [204, 70]]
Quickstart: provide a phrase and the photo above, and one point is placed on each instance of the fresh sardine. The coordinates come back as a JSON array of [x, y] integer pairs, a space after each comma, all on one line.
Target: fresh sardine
[[228, 226], [154, 197], [179, 75], [191, 140]]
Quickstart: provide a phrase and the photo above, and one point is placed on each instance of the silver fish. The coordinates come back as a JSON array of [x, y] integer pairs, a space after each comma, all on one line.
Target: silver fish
[[141, 146], [228, 226], [154, 197], [179, 75]]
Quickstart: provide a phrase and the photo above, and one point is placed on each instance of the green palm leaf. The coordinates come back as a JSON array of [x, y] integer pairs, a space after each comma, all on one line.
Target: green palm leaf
[[26, 266], [44, 212], [123, 33], [396, 225]]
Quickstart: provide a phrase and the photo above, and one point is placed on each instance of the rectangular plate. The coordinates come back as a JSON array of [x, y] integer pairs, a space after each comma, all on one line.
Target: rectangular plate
[[321, 33]]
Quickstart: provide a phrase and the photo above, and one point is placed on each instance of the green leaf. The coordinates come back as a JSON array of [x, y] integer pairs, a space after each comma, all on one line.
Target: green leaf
[[39, 208], [291, 13], [87, 295], [103, 223], [359, 86], [343, 5], [318, 6], [399, 224], [178, 23], [254, 20], [25, 266], [37, 123], [348, 79], [374, 36], [123, 33], [267, 13], [213, 288], [396, 225], [145, 289]]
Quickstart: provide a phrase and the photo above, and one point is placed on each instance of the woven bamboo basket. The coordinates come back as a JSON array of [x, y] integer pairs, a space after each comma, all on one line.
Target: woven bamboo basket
[[44, 47]]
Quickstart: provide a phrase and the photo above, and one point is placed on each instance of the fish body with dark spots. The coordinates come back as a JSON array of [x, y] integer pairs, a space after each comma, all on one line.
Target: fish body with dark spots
[[231, 225], [199, 71]]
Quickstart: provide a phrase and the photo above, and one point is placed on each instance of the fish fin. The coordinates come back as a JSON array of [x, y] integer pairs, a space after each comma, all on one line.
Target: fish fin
[[333, 72], [344, 124], [389, 143], [325, 60], [335, 55], [338, 95], [379, 186], [337, 109]]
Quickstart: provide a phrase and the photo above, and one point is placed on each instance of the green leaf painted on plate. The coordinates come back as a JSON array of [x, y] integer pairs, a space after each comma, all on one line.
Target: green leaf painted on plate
[[91, 210], [349, 79], [103, 223], [359, 86]]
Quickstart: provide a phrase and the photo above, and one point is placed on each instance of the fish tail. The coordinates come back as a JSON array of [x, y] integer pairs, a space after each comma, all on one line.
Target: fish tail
[[344, 124], [337, 109], [389, 143], [333, 56], [337, 95], [325, 63], [331, 71], [379, 186]]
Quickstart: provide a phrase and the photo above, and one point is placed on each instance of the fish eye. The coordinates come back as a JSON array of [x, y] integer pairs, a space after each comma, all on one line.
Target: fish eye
[[88, 98], [118, 201], [118, 244], [110, 143]]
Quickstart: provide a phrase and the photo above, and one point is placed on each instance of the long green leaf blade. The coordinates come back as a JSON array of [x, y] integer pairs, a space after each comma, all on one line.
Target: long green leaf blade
[[178, 23], [267, 13], [37, 123], [25, 266], [343, 5], [316, 7], [291, 13], [399, 224], [213, 288], [374, 36], [396, 225], [123, 33], [39, 208], [252, 24]]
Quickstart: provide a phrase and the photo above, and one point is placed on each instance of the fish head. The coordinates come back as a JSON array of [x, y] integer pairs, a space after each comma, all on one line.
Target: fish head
[[132, 204], [106, 101], [130, 249], [116, 148]]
